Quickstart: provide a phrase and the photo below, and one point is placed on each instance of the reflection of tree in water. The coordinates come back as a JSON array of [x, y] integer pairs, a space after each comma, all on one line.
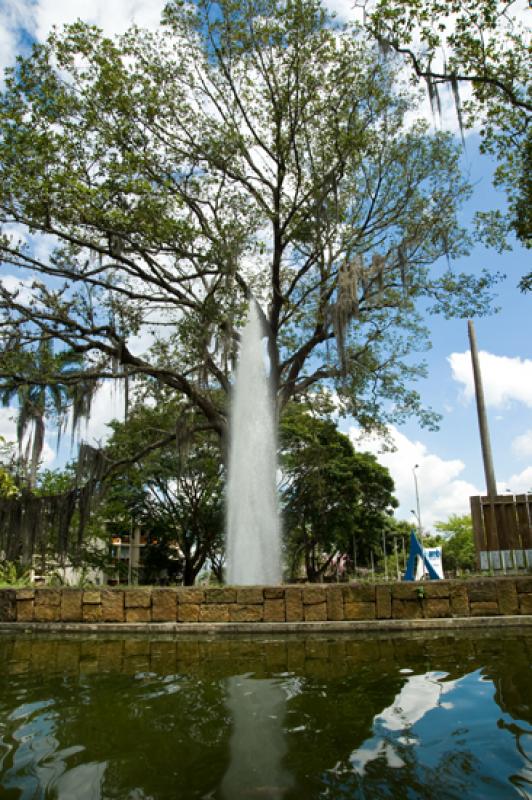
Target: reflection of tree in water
[[160, 714], [158, 733]]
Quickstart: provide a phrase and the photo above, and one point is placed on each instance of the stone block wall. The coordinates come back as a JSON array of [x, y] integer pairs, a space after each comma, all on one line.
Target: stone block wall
[[258, 604]]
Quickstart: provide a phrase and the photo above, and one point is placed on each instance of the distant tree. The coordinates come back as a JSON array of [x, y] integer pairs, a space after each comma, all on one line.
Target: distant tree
[[175, 492], [333, 497], [458, 548], [36, 397], [8, 485]]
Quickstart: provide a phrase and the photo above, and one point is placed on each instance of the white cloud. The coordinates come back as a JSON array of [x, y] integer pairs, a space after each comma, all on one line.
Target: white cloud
[[522, 445], [441, 490], [7, 424], [504, 378], [8, 429], [21, 285], [19, 18], [15, 17], [113, 16], [519, 483], [345, 10], [107, 405]]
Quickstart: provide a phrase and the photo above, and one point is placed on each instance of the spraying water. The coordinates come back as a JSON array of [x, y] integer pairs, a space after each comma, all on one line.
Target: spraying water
[[253, 533]]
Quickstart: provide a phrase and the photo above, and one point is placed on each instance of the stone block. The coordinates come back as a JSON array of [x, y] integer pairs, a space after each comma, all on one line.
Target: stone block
[[358, 610], [25, 611], [188, 612], [137, 598], [523, 585], [383, 597], [91, 597], [49, 597], [26, 594], [8, 605], [459, 600], [317, 612], [164, 605], [525, 603], [359, 593], [408, 590], [335, 603], [138, 614], [112, 605], [437, 608], [507, 597], [47, 605], [437, 589], [92, 612], [484, 608], [223, 594], [190, 594], [406, 609], [71, 605], [294, 604], [243, 613], [274, 611], [214, 612], [249, 595], [481, 591], [313, 595], [273, 592]]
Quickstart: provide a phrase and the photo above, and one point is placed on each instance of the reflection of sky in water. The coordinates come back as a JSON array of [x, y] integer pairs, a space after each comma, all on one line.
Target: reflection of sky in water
[[434, 723], [40, 768]]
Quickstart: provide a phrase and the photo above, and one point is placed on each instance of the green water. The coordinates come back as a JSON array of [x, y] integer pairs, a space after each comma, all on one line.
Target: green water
[[446, 716]]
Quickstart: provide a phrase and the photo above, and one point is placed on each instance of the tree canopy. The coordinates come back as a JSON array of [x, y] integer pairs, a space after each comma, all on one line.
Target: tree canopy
[[455, 535], [480, 50], [149, 184], [175, 493], [334, 499]]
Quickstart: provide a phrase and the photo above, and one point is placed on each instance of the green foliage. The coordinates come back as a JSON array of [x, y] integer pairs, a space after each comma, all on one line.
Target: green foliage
[[43, 384], [483, 46], [13, 574], [8, 485], [174, 492], [333, 497], [459, 548], [242, 148], [455, 536]]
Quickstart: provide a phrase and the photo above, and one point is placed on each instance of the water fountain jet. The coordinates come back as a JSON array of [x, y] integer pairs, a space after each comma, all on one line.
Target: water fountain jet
[[253, 530]]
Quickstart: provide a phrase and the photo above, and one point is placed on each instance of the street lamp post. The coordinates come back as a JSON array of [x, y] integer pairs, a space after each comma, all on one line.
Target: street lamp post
[[418, 514]]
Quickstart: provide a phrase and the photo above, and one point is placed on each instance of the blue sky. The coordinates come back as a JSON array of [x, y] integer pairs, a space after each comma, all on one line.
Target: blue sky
[[450, 467]]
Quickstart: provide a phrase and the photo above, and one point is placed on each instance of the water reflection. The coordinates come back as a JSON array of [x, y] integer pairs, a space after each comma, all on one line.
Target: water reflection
[[40, 767], [257, 745], [435, 718]]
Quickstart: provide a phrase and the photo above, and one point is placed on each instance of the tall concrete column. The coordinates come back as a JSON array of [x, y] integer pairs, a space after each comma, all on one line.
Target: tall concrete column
[[485, 443]]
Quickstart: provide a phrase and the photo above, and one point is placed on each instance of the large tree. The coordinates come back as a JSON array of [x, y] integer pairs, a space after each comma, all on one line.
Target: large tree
[[480, 51], [150, 184], [335, 500]]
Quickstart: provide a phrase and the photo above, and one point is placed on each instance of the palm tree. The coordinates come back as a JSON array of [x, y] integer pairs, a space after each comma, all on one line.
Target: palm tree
[[47, 397]]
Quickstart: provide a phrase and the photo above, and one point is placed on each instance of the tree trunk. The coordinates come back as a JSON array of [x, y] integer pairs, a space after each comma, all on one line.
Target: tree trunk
[[189, 573]]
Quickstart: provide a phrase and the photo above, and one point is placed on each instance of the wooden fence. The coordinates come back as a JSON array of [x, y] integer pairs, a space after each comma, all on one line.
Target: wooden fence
[[502, 531]]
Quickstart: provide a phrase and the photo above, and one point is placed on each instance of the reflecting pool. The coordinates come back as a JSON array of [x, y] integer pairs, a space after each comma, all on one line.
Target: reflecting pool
[[395, 716]]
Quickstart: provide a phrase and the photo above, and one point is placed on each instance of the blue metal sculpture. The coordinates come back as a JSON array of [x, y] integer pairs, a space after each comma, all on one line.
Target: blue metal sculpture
[[416, 551]]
